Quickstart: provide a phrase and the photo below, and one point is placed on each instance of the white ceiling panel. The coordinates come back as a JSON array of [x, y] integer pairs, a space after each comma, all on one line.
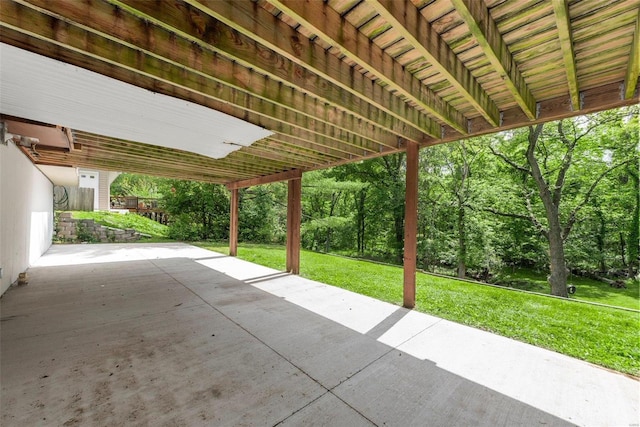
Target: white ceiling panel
[[60, 175], [42, 89]]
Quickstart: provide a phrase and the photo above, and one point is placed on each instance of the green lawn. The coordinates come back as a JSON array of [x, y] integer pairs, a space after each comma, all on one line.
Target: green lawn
[[587, 289], [130, 220], [605, 336]]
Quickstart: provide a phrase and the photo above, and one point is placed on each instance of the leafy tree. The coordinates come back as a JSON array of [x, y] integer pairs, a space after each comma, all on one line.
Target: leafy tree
[[199, 211], [563, 163], [456, 181], [326, 208], [563, 195], [384, 198], [129, 184], [633, 230], [262, 214]]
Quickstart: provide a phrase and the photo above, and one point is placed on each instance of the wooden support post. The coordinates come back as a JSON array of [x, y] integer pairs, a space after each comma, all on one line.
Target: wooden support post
[[411, 226], [233, 224], [294, 210]]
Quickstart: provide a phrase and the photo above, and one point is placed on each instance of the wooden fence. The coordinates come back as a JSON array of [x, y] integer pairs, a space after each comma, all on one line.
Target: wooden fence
[[73, 198]]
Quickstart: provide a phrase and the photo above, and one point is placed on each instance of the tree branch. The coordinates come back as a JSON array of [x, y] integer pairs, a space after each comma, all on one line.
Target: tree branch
[[505, 214], [532, 216], [566, 164], [509, 161], [587, 197], [536, 173]]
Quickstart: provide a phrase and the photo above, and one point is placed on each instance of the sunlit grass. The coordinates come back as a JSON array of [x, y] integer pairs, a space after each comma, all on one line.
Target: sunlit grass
[[586, 289], [130, 220], [605, 336]]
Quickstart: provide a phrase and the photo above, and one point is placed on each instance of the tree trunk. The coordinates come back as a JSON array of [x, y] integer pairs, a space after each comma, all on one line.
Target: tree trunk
[[399, 236], [360, 206], [393, 165], [462, 244], [634, 233], [205, 226], [623, 251], [558, 277], [327, 242], [600, 241], [461, 195]]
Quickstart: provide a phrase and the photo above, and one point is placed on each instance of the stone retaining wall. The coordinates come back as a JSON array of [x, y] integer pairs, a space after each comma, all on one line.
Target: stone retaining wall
[[86, 230]]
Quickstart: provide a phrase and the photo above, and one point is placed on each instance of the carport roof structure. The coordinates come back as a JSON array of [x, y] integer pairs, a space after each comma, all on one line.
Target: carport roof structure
[[322, 82]]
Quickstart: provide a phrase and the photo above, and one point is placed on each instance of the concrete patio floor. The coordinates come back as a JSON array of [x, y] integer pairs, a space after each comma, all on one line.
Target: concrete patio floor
[[171, 334]]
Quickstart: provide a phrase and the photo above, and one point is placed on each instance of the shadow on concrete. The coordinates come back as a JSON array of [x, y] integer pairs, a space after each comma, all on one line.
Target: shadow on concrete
[[174, 342], [389, 322]]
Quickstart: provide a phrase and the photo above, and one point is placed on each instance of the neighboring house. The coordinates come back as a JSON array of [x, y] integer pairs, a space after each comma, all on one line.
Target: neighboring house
[[100, 181]]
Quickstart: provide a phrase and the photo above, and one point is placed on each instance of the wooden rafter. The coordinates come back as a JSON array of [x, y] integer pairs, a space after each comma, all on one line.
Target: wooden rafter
[[563, 23], [288, 141], [267, 148], [243, 162], [327, 24], [282, 176], [160, 49], [336, 81], [162, 44], [286, 158], [133, 165], [405, 18], [633, 69], [163, 159], [259, 25], [351, 145], [484, 29], [276, 145], [278, 59]]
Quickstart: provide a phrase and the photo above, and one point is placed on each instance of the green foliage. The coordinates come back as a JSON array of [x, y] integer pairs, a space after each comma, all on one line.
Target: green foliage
[[129, 184], [122, 221], [262, 214], [84, 234], [600, 335], [378, 205], [475, 209], [198, 211], [183, 228], [581, 161], [327, 210]]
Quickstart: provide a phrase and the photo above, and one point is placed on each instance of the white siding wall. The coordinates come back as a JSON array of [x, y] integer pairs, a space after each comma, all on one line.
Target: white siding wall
[[103, 192], [26, 214]]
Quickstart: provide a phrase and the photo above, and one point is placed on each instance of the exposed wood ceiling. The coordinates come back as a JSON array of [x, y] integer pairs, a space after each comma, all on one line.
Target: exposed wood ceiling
[[337, 80]]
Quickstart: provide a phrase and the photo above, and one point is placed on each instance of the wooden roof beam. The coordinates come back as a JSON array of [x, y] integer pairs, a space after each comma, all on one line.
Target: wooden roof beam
[[271, 47], [167, 157], [406, 19], [288, 140], [282, 176], [146, 71], [327, 24], [139, 166], [162, 45], [633, 69], [484, 29], [563, 23], [280, 156], [307, 152], [243, 160], [595, 99]]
